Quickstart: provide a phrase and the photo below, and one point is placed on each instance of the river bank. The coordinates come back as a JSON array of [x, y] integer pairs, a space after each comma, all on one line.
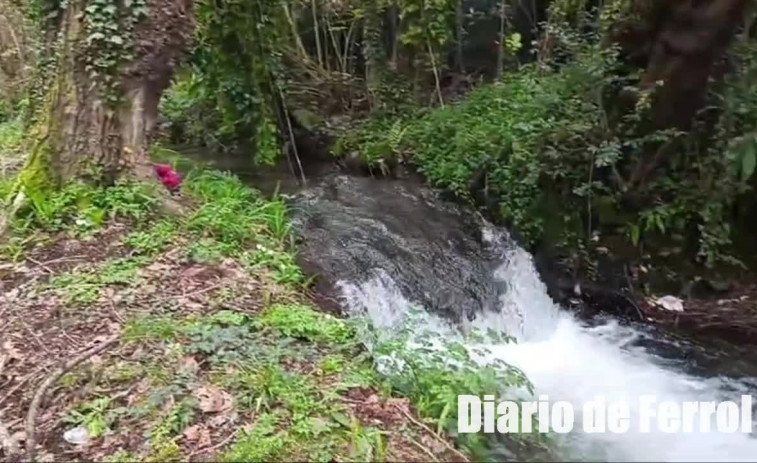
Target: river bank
[[717, 307], [147, 336]]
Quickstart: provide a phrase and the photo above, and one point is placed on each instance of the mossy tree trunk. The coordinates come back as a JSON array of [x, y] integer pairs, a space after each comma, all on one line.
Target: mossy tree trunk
[[114, 60]]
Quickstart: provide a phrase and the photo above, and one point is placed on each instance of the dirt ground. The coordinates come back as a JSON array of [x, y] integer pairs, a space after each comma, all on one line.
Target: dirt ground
[[70, 297]]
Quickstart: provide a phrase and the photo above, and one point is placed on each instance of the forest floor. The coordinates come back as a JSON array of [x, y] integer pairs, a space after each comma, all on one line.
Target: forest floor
[[171, 339]]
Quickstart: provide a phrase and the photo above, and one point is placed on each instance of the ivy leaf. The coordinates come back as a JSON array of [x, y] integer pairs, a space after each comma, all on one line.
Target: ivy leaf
[[95, 36], [117, 39]]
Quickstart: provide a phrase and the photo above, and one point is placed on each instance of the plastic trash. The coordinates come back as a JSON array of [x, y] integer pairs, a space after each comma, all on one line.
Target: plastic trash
[[78, 435]]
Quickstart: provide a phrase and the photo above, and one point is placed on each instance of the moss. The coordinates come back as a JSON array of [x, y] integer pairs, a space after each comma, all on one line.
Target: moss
[[36, 174]]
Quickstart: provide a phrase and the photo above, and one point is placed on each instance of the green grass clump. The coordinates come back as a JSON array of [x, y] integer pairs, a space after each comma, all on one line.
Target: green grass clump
[[299, 321], [11, 137], [84, 208], [84, 286], [234, 220], [152, 240]]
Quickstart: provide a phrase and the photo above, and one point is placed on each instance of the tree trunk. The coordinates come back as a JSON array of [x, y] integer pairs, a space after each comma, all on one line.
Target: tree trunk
[[113, 63], [691, 37], [501, 39], [15, 51], [373, 51], [459, 33]]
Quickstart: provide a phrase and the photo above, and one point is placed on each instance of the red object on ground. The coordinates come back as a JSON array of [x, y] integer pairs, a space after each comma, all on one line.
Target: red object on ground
[[163, 169], [168, 177], [171, 181]]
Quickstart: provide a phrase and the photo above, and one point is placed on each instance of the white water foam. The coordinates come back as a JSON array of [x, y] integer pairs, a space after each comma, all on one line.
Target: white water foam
[[569, 360]]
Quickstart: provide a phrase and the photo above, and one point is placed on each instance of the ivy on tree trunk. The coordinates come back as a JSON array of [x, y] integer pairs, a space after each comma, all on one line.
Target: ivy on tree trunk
[[112, 62]]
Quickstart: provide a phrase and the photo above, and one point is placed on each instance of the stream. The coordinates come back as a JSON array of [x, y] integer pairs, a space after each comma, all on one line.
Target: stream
[[389, 245], [385, 247]]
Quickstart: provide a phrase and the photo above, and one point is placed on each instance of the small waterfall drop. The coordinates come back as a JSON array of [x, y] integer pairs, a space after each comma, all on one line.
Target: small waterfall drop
[[379, 275], [568, 360]]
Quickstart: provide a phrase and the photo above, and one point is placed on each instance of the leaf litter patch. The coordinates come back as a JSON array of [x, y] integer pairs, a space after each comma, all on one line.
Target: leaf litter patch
[[211, 363]]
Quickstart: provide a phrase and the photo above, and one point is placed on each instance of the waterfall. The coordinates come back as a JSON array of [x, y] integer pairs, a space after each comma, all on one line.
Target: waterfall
[[569, 360], [391, 246]]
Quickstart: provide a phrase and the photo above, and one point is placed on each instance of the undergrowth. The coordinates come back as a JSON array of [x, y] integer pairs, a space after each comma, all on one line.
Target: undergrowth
[[279, 375], [230, 220], [547, 151], [433, 365], [266, 363]]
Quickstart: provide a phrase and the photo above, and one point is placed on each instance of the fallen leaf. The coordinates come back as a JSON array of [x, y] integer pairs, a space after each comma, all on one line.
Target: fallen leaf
[[190, 364], [190, 305], [213, 399], [10, 351], [218, 421], [193, 271], [157, 267], [192, 433], [11, 295]]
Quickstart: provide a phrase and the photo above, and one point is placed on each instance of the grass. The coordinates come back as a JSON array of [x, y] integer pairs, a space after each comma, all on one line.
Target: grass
[[277, 375], [85, 286], [269, 364], [11, 137]]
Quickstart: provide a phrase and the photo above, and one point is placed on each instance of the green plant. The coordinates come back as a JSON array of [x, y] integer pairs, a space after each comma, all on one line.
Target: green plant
[[152, 240], [11, 139], [94, 415], [303, 322], [433, 366], [81, 286], [109, 28], [84, 208], [234, 220], [120, 456], [261, 443]]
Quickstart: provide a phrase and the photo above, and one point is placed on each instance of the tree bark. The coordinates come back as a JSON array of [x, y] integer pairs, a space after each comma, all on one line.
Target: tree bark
[[459, 35], [691, 37], [501, 39], [373, 51], [96, 125]]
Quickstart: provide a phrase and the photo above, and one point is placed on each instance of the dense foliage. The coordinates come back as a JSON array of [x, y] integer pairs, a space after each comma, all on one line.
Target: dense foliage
[[550, 150]]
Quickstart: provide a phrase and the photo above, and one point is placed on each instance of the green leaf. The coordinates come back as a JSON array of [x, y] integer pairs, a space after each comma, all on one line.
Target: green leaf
[[342, 419], [96, 36], [117, 39]]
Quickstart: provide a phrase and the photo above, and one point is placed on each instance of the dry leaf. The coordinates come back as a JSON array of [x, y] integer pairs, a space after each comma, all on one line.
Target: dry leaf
[[193, 271], [190, 364], [218, 421], [198, 434], [157, 267], [213, 399], [192, 433], [11, 295], [10, 351]]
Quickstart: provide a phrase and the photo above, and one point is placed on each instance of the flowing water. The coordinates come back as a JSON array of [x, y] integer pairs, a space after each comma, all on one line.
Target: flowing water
[[387, 245]]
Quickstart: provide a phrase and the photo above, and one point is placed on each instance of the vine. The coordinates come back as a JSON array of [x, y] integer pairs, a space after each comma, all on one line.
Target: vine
[[109, 36]]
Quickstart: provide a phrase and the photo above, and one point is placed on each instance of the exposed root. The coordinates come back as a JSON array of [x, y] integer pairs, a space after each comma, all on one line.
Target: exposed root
[[449, 446], [31, 417], [7, 442]]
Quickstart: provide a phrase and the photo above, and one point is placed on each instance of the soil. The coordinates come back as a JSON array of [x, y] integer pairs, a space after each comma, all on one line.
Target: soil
[[40, 329]]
